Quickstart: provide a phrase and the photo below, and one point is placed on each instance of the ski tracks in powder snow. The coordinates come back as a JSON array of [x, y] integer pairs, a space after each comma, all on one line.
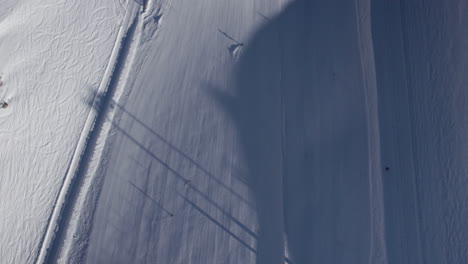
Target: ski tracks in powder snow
[[56, 244]]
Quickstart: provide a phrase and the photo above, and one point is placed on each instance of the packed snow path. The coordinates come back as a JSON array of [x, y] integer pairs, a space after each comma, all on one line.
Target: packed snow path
[[248, 131]]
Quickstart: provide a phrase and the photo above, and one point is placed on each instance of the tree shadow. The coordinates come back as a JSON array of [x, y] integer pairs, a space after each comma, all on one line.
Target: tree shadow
[[295, 121], [257, 108], [294, 129]]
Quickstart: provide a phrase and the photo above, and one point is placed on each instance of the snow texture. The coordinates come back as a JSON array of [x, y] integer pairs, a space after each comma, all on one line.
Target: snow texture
[[52, 55], [247, 131]]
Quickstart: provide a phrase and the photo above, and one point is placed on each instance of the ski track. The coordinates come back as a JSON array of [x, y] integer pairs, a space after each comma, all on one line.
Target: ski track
[[91, 130], [126, 138], [363, 203], [72, 244], [213, 220], [363, 21], [49, 52]]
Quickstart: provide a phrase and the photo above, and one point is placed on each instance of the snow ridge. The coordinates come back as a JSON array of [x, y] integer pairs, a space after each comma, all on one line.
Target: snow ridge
[[54, 228]]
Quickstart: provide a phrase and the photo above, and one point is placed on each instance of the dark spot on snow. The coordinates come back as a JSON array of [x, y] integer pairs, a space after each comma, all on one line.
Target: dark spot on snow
[[4, 105], [234, 48], [387, 168], [157, 18]]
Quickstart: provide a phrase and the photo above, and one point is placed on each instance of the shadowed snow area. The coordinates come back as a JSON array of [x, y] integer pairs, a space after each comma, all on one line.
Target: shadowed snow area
[[246, 131], [421, 63], [216, 160]]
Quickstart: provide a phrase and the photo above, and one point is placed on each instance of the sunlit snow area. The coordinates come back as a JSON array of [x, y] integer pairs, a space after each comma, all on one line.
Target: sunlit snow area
[[234, 131]]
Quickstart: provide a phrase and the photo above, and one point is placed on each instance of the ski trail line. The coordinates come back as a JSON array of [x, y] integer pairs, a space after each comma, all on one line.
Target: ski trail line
[[64, 193], [377, 250]]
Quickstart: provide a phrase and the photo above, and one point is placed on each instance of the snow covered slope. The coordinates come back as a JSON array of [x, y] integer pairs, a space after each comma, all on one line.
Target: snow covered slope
[[236, 139], [421, 65], [247, 131], [52, 57], [335, 132]]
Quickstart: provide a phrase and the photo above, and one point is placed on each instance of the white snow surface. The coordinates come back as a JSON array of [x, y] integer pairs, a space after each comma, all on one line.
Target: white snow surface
[[247, 131], [52, 58]]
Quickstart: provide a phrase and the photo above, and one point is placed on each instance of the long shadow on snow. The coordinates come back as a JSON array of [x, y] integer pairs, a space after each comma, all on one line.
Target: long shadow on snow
[[183, 179], [277, 106]]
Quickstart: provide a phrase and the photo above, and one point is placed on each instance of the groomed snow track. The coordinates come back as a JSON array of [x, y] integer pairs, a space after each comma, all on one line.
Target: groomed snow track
[[62, 210]]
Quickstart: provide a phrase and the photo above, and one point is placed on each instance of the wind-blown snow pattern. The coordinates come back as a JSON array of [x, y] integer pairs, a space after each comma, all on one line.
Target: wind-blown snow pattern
[[247, 131], [52, 53]]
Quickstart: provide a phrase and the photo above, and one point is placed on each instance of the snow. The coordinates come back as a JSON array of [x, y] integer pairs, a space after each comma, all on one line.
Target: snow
[[423, 99], [210, 169], [52, 56], [265, 131]]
